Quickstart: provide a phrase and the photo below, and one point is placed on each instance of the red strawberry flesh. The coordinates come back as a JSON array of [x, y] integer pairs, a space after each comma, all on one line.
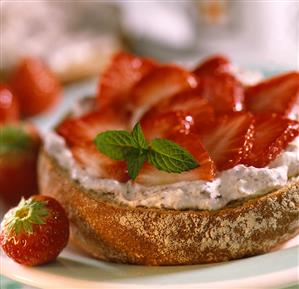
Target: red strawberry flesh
[[124, 71], [224, 92], [190, 102], [213, 64], [229, 139], [279, 94], [272, 135], [162, 82], [160, 125], [150, 176]]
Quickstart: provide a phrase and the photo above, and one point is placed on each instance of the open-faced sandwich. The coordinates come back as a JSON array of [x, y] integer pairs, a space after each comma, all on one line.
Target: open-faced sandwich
[[167, 166]]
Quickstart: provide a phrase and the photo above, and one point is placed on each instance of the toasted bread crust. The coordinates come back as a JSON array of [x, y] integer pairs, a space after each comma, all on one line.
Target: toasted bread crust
[[149, 236]]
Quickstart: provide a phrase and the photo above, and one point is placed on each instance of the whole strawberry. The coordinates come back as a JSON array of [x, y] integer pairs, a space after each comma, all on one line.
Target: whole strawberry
[[35, 85], [19, 146], [35, 231]]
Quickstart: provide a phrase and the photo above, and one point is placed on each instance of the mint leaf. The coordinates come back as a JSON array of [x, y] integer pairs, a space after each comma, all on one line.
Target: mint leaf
[[116, 144], [164, 154], [168, 156], [135, 163], [138, 137], [13, 138]]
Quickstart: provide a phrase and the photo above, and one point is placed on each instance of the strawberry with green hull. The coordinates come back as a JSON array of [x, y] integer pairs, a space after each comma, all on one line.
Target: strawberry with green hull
[[19, 146], [36, 87], [9, 106], [35, 232]]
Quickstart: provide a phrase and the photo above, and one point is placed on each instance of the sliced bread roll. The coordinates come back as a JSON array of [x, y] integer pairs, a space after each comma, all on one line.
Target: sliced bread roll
[[139, 235]]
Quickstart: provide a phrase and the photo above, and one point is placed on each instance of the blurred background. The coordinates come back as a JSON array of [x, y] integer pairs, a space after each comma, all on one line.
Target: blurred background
[[77, 38]]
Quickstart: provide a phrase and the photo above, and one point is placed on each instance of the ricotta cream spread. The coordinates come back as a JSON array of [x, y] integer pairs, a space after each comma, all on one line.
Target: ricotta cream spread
[[233, 184]]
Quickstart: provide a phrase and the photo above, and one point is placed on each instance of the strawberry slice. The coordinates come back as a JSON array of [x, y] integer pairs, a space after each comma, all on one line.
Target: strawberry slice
[[224, 92], [150, 176], [213, 64], [124, 71], [230, 139], [190, 102], [9, 106], [279, 94], [35, 85], [272, 135], [163, 81], [85, 128], [98, 165], [163, 124], [79, 134]]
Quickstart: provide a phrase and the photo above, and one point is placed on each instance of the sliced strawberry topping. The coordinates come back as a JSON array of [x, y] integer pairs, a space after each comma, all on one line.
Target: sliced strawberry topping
[[99, 165], [150, 176], [190, 102], [279, 94], [163, 81], [163, 124], [272, 135], [124, 71], [224, 92], [79, 134], [213, 64], [84, 129], [229, 139]]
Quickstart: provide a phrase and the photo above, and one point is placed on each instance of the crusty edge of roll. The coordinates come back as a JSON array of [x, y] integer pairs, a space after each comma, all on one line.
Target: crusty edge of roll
[[150, 236]]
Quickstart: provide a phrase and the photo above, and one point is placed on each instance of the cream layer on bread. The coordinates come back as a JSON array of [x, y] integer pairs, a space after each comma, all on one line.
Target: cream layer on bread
[[234, 184]]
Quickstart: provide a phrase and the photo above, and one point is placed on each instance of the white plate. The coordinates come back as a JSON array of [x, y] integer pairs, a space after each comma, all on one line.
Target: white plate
[[73, 269]]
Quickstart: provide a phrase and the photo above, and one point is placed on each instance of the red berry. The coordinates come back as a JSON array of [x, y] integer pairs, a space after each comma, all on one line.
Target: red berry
[[160, 83], [279, 94], [80, 133], [190, 102], [83, 129], [213, 64], [9, 106], [160, 125], [35, 231], [36, 87], [224, 92], [229, 139], [116, 82], [272, 134], [19, 146], [150, 176]]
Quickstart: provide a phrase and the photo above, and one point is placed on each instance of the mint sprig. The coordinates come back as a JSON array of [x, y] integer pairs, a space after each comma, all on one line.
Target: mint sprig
[[133, 148]]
